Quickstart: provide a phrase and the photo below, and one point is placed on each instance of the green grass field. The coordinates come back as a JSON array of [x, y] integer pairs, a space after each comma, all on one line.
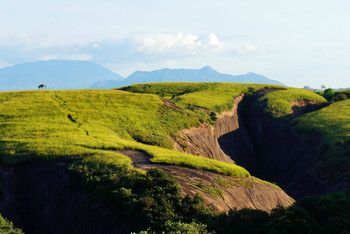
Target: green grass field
[[218, 97], [278, 102], [331, 123], [88, 123]]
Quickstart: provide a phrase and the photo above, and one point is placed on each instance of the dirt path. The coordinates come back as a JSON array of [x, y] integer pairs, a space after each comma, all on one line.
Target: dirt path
[[139, 158]]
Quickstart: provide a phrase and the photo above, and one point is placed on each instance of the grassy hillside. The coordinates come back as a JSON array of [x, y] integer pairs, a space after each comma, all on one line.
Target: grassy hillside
[[279, 101], [89, 126], [212, 96], [219, 96], [332, 125], [81, 123]]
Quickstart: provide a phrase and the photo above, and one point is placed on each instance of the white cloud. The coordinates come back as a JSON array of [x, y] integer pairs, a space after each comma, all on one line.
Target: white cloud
[[160, 43], [180, 43], [215, 43], [2, 15]]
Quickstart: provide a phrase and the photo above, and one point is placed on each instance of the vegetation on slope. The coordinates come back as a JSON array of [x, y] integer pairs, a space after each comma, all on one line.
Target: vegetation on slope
[[87, 125], [218, 97], [6, 227], [55, 124], [149, 199], [322, 214], [211, 96], [332, 125], [279, 101]]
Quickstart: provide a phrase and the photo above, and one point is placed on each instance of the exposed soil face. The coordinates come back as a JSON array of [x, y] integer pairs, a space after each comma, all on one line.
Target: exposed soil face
[[267, 148], [205, 140], [227, 192], [38, 199]]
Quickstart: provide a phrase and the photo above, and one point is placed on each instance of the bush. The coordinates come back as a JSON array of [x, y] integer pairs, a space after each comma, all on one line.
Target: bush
[[213, 116], [328, 94], [6, 227], [340, 97], [149, 199]]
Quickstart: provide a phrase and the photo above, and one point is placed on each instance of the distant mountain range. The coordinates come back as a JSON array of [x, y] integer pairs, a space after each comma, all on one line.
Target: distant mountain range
[[205, 74], [65, 74], [55, 74]]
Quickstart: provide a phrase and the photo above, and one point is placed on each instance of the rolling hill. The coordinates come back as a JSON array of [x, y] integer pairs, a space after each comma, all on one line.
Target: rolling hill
[[144, 155]]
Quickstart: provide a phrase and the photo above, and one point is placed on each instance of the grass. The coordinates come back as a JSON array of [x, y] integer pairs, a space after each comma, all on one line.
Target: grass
[[331, 124], [243, 183], [213, 190], [212, 96], [86, 123], [279, 101], [218, 97]]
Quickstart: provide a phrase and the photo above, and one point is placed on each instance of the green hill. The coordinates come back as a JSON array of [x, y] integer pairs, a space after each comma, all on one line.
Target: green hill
[[88, 128], [82, 123]]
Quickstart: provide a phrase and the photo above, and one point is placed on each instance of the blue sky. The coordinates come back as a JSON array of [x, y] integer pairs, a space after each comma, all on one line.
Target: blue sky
[[296, 42]]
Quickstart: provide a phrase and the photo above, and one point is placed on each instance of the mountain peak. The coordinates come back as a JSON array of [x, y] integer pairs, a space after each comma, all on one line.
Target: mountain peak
[[207, 68]]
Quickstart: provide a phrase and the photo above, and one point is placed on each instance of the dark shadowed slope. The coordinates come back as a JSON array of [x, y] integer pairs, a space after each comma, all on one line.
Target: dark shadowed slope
[[205, 74], [55, 74]]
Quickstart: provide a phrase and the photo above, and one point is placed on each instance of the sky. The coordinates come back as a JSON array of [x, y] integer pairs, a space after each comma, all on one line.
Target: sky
[[297, 42]]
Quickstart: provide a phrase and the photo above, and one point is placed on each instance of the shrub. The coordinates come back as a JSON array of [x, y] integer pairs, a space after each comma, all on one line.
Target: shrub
[[340, 97], [328, 94], [6, 227]]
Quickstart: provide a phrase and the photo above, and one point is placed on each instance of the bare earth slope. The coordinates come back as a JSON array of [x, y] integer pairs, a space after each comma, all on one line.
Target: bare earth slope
[[208, 141], [269, 149], [222, 191]]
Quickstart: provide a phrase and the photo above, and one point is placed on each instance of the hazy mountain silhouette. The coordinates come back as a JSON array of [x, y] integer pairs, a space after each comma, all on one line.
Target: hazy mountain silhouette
[[205, 74], [55, 74]]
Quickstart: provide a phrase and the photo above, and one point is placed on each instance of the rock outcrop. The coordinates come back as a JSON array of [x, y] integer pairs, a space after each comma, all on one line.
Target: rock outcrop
[[38, 199]]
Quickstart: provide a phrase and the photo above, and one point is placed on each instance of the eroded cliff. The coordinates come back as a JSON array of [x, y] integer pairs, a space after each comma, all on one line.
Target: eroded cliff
[[269, 149]]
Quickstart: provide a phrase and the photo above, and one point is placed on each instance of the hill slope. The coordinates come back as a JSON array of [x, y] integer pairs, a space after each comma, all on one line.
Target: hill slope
[[112, 141], [87, 129], [205, 74], [55, 74]]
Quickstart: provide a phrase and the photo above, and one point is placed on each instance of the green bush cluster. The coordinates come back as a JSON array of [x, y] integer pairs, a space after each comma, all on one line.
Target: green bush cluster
[[179, 227], [335, 96], [149, 199], [6, 227]]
